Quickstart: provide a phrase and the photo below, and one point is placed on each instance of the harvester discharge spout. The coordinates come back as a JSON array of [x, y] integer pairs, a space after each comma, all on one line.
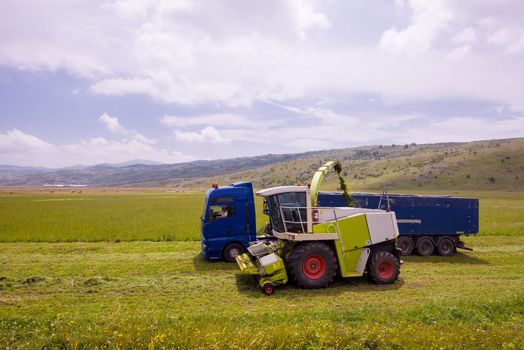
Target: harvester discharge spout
[[319, 176]]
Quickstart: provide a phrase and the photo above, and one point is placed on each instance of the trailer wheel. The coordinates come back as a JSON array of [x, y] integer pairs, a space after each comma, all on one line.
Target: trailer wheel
[[383, 267], [405, 244], [425, 246], [446, 247], [312, 265], [232, 250], [268, 288]]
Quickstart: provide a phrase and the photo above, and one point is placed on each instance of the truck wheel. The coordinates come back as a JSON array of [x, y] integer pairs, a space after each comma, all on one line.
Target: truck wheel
[[405, 244], [383, 267], [446, 247], [312, 265], [232, 250], [425, 246]]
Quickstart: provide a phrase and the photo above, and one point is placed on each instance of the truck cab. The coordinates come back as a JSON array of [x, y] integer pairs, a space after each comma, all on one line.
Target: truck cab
[[228, 221]]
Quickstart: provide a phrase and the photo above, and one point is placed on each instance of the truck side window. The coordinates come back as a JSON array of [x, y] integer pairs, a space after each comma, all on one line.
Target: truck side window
[[221, 211]]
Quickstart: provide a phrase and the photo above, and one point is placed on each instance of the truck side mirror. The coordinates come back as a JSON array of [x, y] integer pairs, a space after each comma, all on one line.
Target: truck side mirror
[[266, 209]]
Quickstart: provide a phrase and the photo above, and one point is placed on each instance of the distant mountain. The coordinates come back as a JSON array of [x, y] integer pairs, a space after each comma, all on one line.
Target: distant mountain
[[493, 164], [138, 174], [132, 162], [20, 168]]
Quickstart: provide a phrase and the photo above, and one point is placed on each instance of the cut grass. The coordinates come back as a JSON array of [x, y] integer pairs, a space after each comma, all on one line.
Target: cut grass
[[163, 295], [161, 216]]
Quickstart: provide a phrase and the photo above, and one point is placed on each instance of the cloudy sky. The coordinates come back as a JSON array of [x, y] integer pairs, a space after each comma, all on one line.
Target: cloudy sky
[[87, 82]]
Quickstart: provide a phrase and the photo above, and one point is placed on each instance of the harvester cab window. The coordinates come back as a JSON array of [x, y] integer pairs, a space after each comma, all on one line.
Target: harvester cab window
[[221, 211], [293, 207], [274, 213]]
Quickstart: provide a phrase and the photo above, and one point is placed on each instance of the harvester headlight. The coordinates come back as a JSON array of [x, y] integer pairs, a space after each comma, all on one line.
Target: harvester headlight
[[269, 259]]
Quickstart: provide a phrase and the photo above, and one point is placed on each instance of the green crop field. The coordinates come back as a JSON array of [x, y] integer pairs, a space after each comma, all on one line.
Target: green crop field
[[157, 215], [62, 216], [123, 270]]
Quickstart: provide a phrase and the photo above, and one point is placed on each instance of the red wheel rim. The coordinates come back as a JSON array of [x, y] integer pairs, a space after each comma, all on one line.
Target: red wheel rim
[[385, 269], [268, 289], [314, 267]]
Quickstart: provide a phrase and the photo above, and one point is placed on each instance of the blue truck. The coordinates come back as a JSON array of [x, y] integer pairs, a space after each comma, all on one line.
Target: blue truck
[[426, 223], [228, 222]]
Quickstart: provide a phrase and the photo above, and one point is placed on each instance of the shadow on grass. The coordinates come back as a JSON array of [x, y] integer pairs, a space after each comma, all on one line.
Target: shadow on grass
[[202, 264], [458, 258], [247, 284]]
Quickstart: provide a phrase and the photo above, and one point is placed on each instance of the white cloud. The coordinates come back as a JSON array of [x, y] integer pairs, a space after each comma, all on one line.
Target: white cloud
[[325, 116], [19, 148], [17, 140], [100, 150], [511, 39], [465, 36], [225, 59], [115, 127], [467, 129], [428, 21], [193, 53], [112, 123], [207, 135], [220, 120]]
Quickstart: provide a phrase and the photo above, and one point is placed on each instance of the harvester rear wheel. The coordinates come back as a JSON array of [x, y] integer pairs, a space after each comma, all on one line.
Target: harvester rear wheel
[[405, 244], [232, 250], [446, 247], [383, 267], [425, 246], [312, 265]]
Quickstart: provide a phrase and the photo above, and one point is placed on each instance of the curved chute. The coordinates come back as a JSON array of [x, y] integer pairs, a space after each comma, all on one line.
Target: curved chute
[[319, 176]]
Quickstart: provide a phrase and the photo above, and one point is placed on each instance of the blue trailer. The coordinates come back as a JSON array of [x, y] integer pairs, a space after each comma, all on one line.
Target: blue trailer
[[425, 223]]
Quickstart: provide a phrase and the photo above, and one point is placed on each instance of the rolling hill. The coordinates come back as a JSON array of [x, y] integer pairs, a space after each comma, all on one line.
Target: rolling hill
[[486, 165]]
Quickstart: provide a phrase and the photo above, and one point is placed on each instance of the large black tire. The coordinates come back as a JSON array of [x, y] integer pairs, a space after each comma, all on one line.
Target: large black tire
[[312, 265], [425, 246], [406, 245], [383, 267], [232, 250], [446, 246]]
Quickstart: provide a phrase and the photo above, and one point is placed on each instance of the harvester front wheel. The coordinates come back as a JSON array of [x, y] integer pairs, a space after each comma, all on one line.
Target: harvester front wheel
[[268, 288], [312, 265], [232, 250], [383, 267]]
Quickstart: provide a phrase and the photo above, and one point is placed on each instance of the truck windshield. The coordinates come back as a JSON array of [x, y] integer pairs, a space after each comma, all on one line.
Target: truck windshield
[[204, 211]]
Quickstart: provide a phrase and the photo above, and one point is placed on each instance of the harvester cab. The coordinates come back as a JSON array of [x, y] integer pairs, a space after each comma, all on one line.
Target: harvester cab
[[315, 243]]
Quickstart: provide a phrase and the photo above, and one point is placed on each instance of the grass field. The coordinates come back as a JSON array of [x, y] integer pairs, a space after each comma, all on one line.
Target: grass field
[[163, 295], [57, 293], [157, 215]]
